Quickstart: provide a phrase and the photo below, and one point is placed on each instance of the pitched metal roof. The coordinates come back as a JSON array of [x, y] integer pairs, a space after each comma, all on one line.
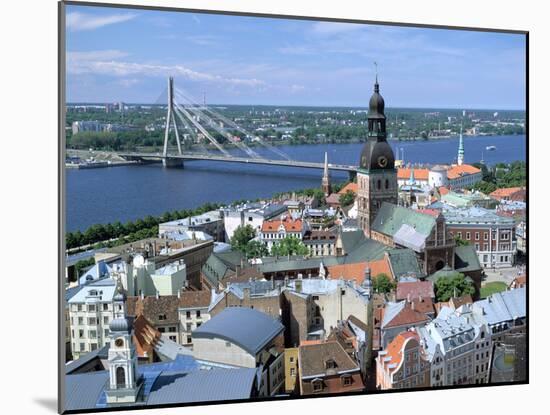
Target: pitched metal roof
[[466, 259], [404, 263], [246, 327], [503, 307], [391, 217]]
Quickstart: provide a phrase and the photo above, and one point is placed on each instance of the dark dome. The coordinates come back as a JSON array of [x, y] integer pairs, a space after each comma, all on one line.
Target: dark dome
[[376, 104], [377, 155], [119, 325]]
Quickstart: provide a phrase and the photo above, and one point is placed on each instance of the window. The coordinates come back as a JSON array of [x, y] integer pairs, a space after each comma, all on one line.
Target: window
[[485, 236], [378, 184], [162, 317], [477, 236], [387, 183], [82, 347], [172, 329], [93, 346], [79, 307], [189, 340], [459, 234], [317, 385], [80, 321], [106, 320], [330, 364], [81, 333], [198, 314], [188, 315], [468, 235], [92, 321], [173, 338], [188, 326], [162, 329], [93, 334], [477, 247], [346, 380], [91, 308], [120, 376], [227, 344], [292, 371], [291, 359], [105, 307]]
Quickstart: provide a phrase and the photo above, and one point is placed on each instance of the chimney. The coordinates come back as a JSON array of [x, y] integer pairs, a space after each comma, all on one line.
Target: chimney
[[412, 306], [298, 285], [158, 295], [179, 293], [246, 293], [141, 294]]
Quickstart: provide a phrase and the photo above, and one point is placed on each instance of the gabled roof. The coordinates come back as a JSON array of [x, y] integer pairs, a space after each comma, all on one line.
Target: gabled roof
[[404, 173], [504, 306], [245, 327], [313, 357], [402, 314], [466, 259]]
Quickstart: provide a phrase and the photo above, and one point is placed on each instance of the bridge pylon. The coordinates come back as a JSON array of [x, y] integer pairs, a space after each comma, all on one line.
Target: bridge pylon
[[166, 160]]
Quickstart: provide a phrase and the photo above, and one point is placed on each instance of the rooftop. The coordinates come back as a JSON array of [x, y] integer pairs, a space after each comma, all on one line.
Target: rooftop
[[313, 358], [248, 328]]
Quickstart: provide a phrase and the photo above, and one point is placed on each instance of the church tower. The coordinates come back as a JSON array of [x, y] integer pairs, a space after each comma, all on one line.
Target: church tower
[[325, 182], [124, 385], [376, 176]]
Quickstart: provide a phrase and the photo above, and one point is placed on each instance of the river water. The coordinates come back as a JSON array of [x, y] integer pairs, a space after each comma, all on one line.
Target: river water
[[127, 193]]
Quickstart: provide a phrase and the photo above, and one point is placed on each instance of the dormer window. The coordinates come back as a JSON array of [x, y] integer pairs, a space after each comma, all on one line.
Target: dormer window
[[317, 385], [330, 364], [346, 380], [162, 317]]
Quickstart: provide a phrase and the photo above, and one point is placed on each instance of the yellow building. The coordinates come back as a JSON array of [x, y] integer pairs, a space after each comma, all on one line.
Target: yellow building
[[291, 369]]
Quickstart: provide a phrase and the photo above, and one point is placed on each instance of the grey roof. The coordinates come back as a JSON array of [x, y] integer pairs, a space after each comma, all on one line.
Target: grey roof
[[84, 390], [201, 386], [183, 380], [503, 307], [473, 216], [73, 366], [466, 259], [407, 236], [246, 327], [404, 263], [451, 330]]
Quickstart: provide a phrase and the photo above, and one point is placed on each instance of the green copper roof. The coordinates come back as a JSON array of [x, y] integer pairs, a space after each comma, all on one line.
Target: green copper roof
[[404, 263], [466, 259], [391, 217]]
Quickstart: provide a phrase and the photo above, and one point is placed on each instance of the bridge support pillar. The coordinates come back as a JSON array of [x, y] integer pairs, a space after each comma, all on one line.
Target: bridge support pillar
[[172, 163]]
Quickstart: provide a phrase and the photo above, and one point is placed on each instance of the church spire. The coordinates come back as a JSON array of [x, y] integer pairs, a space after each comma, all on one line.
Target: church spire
[[325, 182], [460, 158]]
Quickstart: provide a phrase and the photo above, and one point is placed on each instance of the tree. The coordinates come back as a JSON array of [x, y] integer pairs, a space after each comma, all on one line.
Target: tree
[[453, 286], [347, 198], [382, 283], [241, 237], [256, 249], [289, 246], [460, 241]]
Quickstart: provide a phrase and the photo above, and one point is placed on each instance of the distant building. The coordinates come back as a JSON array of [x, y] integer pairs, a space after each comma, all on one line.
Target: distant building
[[490, 234], [461, 176], [398, 317], [273, 231], [517, 194], [291, 370], [403, 364], [253, 214], [211, 223]]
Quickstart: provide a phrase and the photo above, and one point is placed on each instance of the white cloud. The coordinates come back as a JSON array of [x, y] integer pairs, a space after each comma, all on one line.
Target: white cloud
[[332, 28], [77, 21], [106, 63]]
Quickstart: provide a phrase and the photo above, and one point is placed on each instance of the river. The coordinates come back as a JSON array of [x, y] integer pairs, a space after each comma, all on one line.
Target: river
[[127, 193]]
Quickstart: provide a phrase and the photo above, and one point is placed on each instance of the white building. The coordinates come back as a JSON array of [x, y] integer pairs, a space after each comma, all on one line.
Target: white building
[[211, 223], [273, 231], [459, 347], [253, 214], [90, 312]]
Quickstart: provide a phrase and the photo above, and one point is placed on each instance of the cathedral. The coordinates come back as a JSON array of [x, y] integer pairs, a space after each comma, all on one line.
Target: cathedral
[[376, 176]]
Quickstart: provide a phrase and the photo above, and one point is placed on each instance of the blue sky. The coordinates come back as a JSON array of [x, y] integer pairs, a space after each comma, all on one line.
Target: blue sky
[[126, 55]]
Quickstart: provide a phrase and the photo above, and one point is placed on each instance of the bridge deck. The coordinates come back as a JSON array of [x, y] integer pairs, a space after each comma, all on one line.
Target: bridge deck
[[283, 163]]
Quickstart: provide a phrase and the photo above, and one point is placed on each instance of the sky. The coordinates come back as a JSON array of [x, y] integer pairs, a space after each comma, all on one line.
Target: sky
[[116, 54]]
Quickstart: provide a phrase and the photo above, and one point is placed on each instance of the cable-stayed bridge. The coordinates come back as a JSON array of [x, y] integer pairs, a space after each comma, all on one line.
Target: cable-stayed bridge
[[198, 122]]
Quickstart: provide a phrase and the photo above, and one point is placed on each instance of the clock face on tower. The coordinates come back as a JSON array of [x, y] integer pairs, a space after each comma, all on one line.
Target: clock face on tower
[[119, 342], [382, 161]]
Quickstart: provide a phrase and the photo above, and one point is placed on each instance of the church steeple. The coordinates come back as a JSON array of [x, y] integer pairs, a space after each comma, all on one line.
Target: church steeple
[[376, 176], [325, 182], [460, 158], [124, 384]]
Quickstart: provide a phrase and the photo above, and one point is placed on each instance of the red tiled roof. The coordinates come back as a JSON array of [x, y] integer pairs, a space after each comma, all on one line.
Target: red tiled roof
[[407, 316], [443, 190], [414, 289], [350, 186], [404, 173], [145, 336], [394, 350], [289, 224], [432, 212], [458, 171], [517, 193], [357, 270]]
